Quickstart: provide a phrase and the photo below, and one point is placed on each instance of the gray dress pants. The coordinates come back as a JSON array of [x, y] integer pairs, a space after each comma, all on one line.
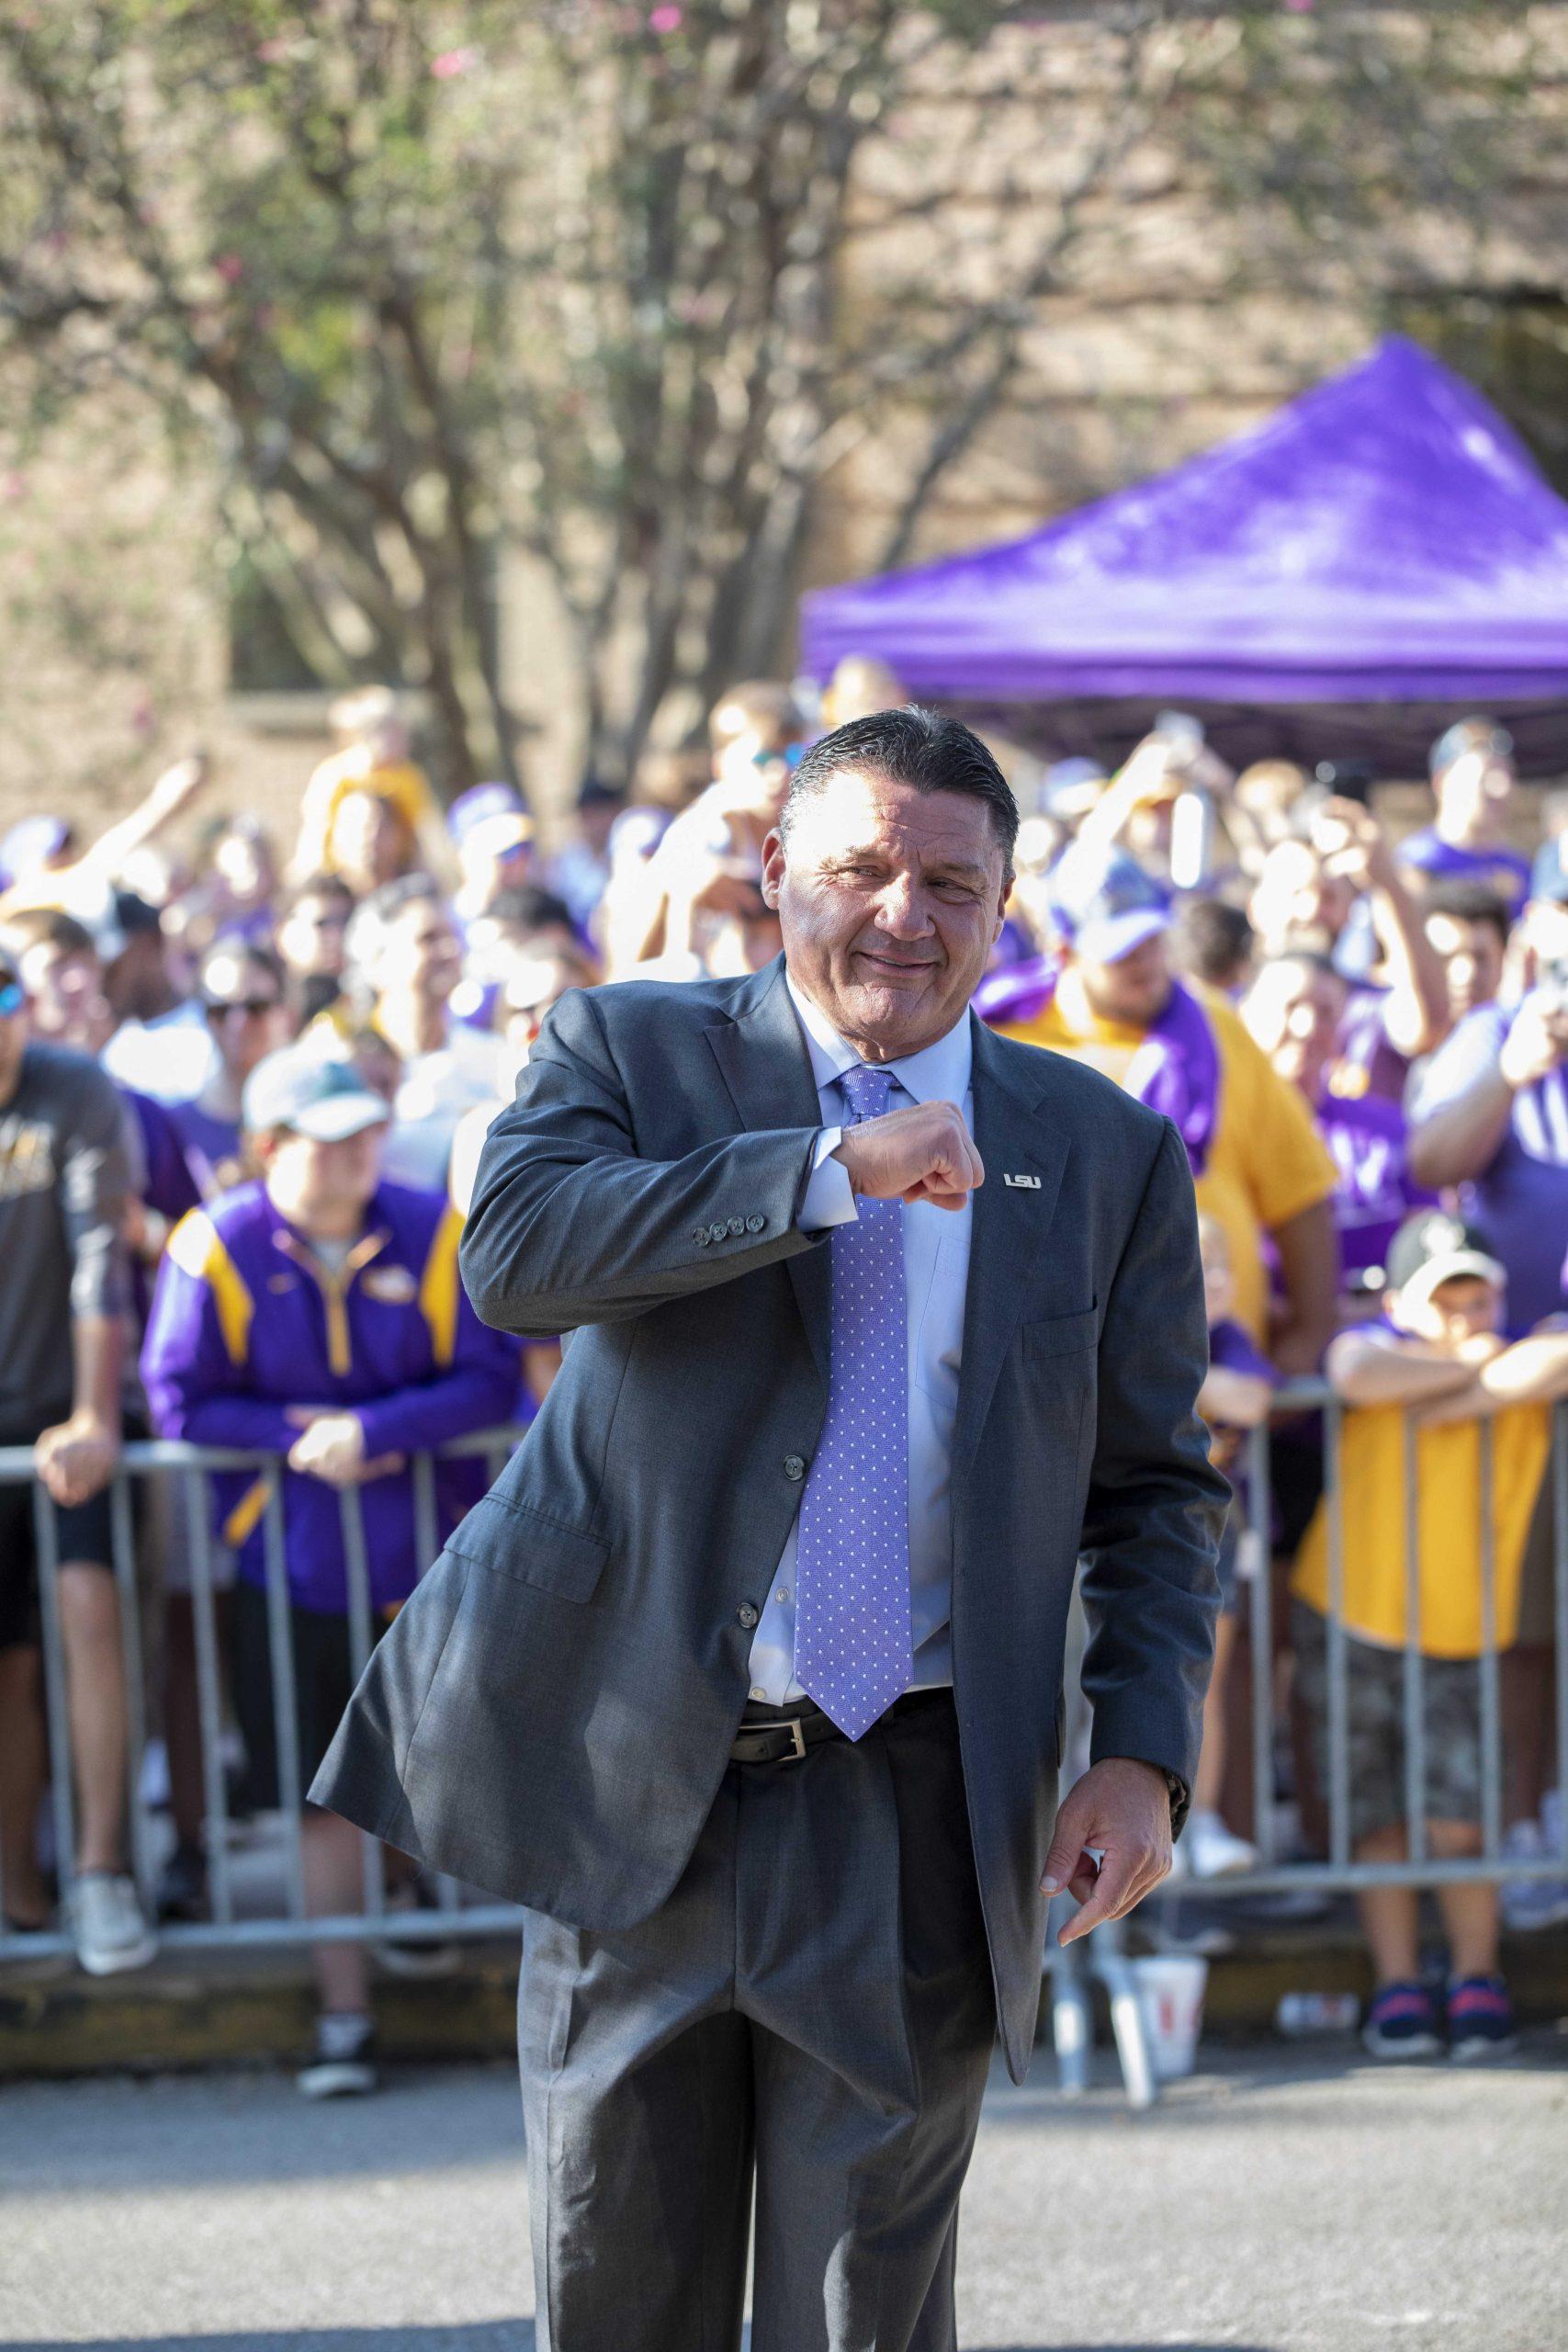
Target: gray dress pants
[[811, 2011]]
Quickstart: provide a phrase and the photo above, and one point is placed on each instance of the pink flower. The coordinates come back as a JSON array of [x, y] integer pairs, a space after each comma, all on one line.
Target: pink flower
[[664, 20], [273, 52], [1300, 7], [453, 61], [229, 268]]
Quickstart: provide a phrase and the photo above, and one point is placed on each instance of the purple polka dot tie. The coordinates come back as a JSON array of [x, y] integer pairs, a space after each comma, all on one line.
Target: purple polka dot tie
[[853, 1646]]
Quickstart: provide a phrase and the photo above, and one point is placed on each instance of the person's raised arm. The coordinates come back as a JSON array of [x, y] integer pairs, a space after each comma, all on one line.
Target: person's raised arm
[[1463, 1112], [168, 799], [1352, 844], [1307, 1247]]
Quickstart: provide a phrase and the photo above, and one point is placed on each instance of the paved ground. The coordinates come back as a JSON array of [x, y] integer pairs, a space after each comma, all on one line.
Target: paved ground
[[1275, 2203]]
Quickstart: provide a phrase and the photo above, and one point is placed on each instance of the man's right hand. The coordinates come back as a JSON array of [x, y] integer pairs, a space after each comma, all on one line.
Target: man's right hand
[[1536, 1042], [925, 1153]]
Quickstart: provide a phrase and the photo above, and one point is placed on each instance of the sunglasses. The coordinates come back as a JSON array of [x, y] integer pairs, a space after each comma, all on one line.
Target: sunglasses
[[13, 996]]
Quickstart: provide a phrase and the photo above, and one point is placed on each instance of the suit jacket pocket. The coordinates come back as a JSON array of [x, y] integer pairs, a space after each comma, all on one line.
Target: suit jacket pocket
[[1063, 1335], [531, 1548]]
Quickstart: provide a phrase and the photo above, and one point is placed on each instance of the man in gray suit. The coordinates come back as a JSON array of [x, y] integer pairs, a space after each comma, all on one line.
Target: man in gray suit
[[746, 1679]]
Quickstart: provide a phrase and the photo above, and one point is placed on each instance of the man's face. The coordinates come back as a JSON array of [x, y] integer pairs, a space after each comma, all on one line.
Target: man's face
[[66, 992], [311, 1181], [368, 840], [421, 953], [245, 1012], [1471, 956], [1474, 791], [1135, 990], [889, 900], [1294, 1011], [310, 938], [1458, 1310]]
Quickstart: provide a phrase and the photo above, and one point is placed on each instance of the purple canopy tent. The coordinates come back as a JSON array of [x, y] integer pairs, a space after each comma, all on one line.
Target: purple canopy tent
[[1378, 557]]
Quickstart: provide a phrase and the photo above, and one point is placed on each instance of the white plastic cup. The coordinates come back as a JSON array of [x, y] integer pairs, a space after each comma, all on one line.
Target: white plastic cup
[[1171, 1987]]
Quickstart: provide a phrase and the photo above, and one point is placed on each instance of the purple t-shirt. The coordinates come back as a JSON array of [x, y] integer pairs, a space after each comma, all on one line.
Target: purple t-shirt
[[1519, 1203], [1367, 1141], [1366, 1063], [1233, 1348], [1503, 870]]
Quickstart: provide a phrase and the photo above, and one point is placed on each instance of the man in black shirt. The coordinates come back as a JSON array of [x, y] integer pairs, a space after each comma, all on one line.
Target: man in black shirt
[[63, 1187]]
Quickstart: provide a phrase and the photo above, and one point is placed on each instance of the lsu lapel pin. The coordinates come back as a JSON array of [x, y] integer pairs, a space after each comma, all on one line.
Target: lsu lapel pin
[[1022, 1183]]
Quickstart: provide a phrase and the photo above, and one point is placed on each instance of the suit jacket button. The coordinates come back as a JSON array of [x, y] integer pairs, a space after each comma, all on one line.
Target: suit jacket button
[[737, 1225], [756, 1223], [701, 1236], [717, 1232], [747, 1615], [795, 1466]]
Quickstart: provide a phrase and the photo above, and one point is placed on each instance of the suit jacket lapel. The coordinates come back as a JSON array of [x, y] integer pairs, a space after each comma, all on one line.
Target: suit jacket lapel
[[767, 1069], [1011, 1224]]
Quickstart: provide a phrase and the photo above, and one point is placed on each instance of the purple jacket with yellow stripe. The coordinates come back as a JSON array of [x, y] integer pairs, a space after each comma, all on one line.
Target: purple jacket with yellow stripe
[[247, 1321]]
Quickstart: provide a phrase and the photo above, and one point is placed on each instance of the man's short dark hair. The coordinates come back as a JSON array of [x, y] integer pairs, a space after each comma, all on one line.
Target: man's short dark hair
[[47, 927], [1469, 903], [318, 886], [1211, 940], [528, 908], [914, 746]]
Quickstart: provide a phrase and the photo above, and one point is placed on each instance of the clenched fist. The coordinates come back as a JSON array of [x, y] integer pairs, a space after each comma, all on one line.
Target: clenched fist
[[925, 1153]]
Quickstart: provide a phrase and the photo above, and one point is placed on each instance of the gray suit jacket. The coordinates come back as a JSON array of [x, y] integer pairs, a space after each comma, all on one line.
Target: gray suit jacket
[[549, 1716]]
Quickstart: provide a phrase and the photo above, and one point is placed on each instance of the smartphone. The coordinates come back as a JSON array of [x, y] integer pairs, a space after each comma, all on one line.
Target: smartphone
[[1346, 779]]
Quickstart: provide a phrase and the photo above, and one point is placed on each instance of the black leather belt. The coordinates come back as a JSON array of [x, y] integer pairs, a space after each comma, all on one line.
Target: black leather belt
[[782, 1734]]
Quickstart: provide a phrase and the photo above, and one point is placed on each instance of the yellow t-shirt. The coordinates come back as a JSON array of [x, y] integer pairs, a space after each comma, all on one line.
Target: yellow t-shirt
[[1447, 1513], [1267, 1161]]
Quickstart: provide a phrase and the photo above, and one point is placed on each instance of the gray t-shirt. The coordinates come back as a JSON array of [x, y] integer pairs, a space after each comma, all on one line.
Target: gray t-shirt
[[63, 1186]]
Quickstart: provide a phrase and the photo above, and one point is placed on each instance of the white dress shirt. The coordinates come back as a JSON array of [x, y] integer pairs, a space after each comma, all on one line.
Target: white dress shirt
[[936, 1276]]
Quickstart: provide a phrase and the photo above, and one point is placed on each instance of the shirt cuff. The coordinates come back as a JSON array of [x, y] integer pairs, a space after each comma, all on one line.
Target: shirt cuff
[[829, 1196]]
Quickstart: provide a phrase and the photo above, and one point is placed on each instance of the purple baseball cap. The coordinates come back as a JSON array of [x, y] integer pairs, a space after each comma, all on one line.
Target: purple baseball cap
[[1105, 904], [484, 804]]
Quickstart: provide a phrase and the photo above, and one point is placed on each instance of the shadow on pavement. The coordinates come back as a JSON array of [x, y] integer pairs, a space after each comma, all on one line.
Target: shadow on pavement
[[488, 2336], [482, 2336]]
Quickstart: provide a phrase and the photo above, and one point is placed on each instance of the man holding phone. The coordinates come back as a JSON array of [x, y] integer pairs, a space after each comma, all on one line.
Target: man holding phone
[[1491, 1114]]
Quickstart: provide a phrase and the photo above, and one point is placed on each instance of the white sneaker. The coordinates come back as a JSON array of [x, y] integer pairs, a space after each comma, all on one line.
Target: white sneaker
[[1215, 1852], [342, 2064], [106, 1924], [1528, 1903]]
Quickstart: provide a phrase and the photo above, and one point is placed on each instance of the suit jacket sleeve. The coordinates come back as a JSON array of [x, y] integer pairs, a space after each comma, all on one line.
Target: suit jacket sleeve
[[1155, 1508], [569, 1226]]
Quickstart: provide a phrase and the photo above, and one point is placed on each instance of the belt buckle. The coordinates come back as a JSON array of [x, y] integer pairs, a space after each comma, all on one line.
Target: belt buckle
[[797, 1742]]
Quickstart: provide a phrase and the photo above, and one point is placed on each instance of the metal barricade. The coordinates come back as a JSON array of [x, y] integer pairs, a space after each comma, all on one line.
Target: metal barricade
[[229, 1926], [234, 1923], [1339, 1872]]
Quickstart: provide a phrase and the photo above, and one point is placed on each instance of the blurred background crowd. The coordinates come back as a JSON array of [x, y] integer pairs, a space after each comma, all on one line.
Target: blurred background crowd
[[254, 1069]]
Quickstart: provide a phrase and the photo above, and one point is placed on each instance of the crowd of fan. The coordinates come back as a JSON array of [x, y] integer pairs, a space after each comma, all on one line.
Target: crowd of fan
[[241, 1112]]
